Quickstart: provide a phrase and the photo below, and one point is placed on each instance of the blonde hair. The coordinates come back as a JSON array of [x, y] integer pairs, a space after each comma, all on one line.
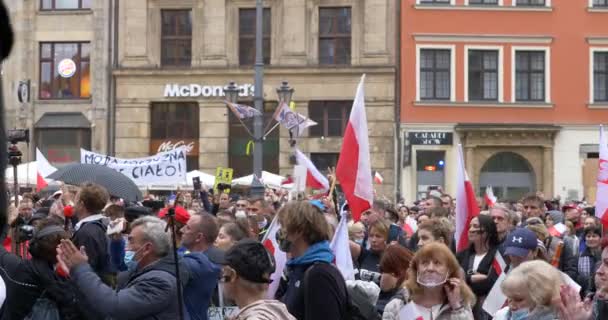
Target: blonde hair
[[537, 279], [354, 228], [440, 252], [302, 217]]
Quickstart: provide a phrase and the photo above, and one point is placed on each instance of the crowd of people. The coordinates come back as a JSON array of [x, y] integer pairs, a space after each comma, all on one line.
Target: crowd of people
[[82, 254]]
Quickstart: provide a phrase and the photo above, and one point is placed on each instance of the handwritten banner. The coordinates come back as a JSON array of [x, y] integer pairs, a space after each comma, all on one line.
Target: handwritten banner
[[162, 168]]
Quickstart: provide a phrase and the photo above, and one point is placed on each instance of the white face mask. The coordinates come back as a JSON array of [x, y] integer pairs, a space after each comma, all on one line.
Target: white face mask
[[240, 214], [431, 279]]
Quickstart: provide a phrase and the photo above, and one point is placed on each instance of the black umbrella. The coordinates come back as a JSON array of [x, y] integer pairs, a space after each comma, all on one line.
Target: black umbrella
[[115, 182]]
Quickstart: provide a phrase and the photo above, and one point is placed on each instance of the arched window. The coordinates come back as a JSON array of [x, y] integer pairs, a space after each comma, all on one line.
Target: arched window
[[509, 174]]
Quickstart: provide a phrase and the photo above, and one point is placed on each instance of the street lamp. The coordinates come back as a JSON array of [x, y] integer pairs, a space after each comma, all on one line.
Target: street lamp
[[231, 91], [285, 92]]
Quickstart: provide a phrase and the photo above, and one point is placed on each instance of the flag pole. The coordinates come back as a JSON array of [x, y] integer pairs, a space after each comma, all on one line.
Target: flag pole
[[271, 130], [239, 118]]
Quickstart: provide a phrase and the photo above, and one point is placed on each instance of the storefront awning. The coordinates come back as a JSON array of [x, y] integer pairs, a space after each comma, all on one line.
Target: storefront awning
[[75, 120]]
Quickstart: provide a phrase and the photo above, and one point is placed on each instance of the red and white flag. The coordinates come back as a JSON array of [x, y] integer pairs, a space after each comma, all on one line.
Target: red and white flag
[[601, 198], [558, 230], [489, 197], [340, 246], [495, 299], [280, 258], [44, 169], [466, 204], [354, 166], [314, 178], [378, 178], [410, 312]]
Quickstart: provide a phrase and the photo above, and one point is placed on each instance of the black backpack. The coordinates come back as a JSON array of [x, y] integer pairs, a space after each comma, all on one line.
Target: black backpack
[[358, 305]]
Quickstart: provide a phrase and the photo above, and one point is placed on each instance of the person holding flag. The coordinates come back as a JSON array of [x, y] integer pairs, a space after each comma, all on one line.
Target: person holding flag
[[314, 288]]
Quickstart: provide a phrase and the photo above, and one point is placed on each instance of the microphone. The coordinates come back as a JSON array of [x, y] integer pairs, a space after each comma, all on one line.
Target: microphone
[[68, 212]]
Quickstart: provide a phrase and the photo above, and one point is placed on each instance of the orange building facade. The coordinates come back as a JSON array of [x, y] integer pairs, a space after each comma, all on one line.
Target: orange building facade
[[522, 85]]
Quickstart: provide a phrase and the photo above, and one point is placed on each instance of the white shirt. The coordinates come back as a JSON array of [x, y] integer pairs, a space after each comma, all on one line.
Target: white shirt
[[477, 260], [428, 313], [94, 217]]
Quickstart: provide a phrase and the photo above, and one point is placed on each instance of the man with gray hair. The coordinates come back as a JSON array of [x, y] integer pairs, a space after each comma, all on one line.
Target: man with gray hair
[[148, 291], [503, 218]]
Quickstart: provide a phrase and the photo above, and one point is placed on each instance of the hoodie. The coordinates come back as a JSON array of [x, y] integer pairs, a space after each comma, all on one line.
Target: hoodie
[[264, 310], [204, 276]]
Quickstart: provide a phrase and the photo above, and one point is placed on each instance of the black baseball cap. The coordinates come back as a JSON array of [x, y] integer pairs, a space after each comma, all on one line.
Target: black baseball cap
[[251, 261]]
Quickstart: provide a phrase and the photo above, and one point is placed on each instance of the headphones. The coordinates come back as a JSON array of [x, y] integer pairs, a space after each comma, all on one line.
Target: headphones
[[34, 246]]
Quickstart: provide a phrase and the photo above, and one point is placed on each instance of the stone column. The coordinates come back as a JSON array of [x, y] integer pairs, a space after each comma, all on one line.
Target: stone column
[[547, 173]]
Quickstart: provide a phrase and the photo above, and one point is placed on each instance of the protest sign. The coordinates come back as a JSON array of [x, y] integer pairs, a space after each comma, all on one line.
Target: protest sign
[[223, 176], [164, 167]]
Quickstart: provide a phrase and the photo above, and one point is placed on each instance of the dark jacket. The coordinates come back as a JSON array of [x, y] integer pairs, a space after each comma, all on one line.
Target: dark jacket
[[568, 261], [204, 277], [26, 280], [148, 293], [320, 295], [92, 235], [480, 289]]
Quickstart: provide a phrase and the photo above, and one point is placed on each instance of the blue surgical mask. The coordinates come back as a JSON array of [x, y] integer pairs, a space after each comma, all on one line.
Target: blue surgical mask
[[359, 241], [129, 254], [521, 314]]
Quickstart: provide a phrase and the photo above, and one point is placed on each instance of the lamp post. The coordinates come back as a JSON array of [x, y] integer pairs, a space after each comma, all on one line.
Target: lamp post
[[232, 92], [257, 188], [285, 93]]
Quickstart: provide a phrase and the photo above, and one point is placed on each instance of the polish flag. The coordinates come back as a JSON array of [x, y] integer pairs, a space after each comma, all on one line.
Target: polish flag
[[354, 167], [280, 258], [340, 246], [378, 178], [558, 230], [489, 197], [44, 169], [601, 198], [495, 299], [466, 204], [314, 178]]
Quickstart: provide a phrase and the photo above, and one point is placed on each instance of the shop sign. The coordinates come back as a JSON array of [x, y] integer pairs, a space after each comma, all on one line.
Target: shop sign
[[66, 68], [430, 138], [173, 90], [163, 145]]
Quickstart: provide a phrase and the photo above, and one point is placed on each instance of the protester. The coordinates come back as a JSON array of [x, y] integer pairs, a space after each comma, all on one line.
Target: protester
[[197, 236], [503, 218], [393, 266], [590, 257], [90, 231], [521, 246], [477, 260], [531, 289], [245, 277], [554, 217], [367, 261], [356, 232], [313, 289], [147, 292], [534, 206], [231, 233], [435, 288], [559, 253], [434, 230], [28, 280]]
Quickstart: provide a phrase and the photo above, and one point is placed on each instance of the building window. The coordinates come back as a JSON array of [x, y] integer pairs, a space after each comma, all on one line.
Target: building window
[[247, 29], [65, 70], [530, 76], [174, 122], [600, 76], [176, 37], [238, 139], [61, 146], [331, 117], [334, 35], [323, 161], [483, 75], [600, 3], [65, 4], [533, 3], [435, 74], [483, 2]]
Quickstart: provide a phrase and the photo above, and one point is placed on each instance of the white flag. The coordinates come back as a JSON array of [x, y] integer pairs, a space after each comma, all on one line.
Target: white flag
[[340, 246]]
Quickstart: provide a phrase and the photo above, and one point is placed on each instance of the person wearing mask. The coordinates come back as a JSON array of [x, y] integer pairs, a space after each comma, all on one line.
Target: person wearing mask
[[590, 257], [245, 278], [435, 288], [476, 261], [313, 288], [367, 261], [531, 290], [393, 266], [231, 233], [147, 291], [434, 230], [356, 232], [503, 218], [27, 280], [90, 230], [559, 252], [197, 237]]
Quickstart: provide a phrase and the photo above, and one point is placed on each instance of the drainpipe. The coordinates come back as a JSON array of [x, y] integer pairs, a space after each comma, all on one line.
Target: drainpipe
[[113, 61], [398, 168]]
